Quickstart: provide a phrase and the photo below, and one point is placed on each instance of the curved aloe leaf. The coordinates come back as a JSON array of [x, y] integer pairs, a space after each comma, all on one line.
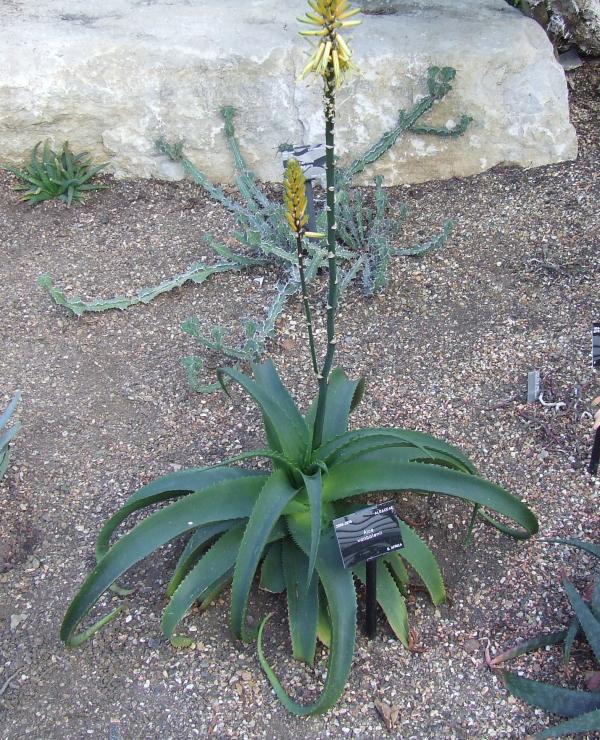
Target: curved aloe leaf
[[589, 624], [343, 396], [418, 555], [302, 602], [389, 598], [269, 393], [354, 478], [400, 453], [323, 620], [312, 483], [588, 722], [230, 499], [339, 590], [398, 569], [270, 505], [210, 569], [554, 699], [570, 635], [168, 486], [193, 550], [271, 572], [362, 438], [588, 547]]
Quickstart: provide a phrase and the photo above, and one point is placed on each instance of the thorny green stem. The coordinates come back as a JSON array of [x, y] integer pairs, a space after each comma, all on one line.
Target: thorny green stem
[[332, 294], [306, 302]]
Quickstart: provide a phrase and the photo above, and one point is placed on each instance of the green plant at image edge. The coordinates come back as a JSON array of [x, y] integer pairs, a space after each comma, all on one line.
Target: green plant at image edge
[[582, 708], [63, 175]]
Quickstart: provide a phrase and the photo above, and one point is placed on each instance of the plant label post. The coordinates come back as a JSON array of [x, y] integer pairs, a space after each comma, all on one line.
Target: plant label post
[[533, 386], [366, 535], [312, 161]]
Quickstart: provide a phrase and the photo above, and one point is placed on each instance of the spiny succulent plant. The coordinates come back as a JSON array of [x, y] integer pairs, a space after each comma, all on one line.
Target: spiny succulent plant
[[63, 175], [238, 522]]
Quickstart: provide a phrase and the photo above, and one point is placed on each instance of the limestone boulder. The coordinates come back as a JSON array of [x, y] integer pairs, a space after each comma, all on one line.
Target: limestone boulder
[[112, 77]]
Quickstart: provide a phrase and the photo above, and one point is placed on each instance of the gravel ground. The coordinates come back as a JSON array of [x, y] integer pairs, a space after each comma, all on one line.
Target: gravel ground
[[445, 350]]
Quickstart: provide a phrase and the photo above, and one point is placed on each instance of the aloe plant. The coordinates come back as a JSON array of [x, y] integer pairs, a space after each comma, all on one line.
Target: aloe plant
[[240, 522], [582, 708], [8, 434], [63, 175]]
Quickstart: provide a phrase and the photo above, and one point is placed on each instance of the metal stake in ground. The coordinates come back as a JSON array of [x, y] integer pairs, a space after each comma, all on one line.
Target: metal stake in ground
[[595, 459], [371, 599]]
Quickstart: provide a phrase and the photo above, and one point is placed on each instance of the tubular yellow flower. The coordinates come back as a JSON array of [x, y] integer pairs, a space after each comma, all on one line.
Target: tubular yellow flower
[[295, 198], [332, 58]]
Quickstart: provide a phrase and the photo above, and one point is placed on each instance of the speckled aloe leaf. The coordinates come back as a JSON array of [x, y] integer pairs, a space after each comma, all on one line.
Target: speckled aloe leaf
[[554, 699], [302, 602], [589, 624], [271, 503], [588, 722], [338, 587], [229, 499], [355, 478]]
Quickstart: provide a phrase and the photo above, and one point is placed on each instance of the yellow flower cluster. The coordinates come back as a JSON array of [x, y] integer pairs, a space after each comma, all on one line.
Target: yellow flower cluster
[[295, 197], [332, 54], [295, 200]]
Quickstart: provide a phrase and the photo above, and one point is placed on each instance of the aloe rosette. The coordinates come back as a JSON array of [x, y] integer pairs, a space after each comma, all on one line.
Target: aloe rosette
[[241, 522]]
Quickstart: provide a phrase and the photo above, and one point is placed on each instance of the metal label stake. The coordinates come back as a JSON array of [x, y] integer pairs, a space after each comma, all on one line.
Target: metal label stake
[[371, 599]]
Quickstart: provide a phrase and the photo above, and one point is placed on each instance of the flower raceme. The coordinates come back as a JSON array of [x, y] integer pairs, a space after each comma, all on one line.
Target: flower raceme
[[295, 200], [332, 56]]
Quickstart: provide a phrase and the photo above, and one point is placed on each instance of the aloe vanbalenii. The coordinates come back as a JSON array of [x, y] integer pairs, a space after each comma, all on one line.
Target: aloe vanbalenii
[[240, 522], [7, 434]]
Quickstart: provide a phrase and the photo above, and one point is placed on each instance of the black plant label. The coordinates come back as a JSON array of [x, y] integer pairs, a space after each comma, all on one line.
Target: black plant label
[[368, 533], [596, 344]]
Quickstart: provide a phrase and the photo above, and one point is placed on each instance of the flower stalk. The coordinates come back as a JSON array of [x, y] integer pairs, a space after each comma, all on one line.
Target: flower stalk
[[331, 60]]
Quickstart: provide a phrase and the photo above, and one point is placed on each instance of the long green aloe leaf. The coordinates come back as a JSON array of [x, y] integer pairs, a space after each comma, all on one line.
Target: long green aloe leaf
[[276, 404], [363, 437], [302, 602], [270, 505], [169, 486], [554, 699], [209, 570], [230, 499], [338, 586], [589, 624], [271, 572], [588, 722], [343, 395], [354, 478], [312, 483], [192, 552], [418, 555], [588, 547]]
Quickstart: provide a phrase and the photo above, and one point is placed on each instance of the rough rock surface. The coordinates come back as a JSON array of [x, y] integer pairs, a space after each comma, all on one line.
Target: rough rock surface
[[577, 21], [111, 78]]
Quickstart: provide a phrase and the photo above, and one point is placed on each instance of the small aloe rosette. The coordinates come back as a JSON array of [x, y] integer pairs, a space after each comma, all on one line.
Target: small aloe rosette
[[332, 53]]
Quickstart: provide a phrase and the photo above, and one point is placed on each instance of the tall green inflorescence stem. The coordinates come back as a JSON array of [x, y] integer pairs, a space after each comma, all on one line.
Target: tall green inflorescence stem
[[331, 60], [332, 292]]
